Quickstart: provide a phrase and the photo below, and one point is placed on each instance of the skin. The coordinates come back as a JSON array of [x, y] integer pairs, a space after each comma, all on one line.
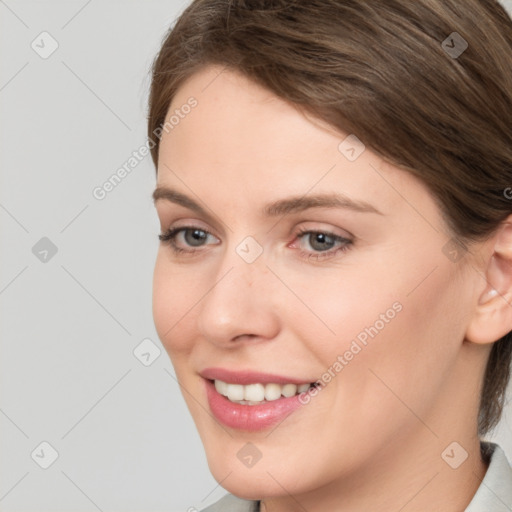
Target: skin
[[372, 439]]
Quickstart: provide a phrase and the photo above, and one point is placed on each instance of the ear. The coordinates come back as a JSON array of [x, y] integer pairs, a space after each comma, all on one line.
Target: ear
[[492, 317]]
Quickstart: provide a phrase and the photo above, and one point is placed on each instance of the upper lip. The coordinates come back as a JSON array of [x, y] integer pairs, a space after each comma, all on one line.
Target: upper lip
[[248, 377]]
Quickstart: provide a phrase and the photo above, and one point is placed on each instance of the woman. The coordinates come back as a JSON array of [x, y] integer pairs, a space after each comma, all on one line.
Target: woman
[[334, 277]]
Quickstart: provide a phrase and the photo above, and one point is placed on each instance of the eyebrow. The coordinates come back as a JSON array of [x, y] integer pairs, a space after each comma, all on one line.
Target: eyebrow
[[286, 206]]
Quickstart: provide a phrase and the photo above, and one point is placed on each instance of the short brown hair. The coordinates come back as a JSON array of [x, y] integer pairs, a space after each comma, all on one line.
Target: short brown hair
[[382, 70]]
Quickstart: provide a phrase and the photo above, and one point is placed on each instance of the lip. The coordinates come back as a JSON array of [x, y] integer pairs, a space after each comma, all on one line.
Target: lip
[[249, 377], [250, 418]]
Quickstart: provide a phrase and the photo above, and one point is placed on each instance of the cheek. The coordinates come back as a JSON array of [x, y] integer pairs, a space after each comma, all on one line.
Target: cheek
[[395, 329], [173, 299], [342, 309], [410, 359]]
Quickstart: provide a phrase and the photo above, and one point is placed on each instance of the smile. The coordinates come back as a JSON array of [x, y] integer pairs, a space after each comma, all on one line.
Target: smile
[[252, 401], [258, 393]]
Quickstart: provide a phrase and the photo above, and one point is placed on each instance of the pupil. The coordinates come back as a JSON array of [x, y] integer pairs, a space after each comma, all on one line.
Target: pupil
[[197, 237], [323, 240]]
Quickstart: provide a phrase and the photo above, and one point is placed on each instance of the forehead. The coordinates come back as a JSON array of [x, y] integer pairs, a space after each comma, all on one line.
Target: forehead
[[235, 110], [244, 129], [257, 148]]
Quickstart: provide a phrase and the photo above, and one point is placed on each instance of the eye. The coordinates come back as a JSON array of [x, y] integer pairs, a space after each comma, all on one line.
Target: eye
[[324, 244], [189, 236]]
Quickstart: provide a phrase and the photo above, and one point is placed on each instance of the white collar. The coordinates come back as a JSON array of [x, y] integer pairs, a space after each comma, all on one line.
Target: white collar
[[495, 491]]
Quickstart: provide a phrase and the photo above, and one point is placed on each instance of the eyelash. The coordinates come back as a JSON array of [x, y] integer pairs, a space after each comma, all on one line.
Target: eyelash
[[170, 235]]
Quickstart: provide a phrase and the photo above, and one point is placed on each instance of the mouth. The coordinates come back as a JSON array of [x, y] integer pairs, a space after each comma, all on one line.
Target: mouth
[[259, 393], [253, 401]]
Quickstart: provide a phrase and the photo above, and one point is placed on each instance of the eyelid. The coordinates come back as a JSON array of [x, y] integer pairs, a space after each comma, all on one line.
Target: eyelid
[[322, 227], [304, 233], [169, 234], [184, 222], [172, 214]]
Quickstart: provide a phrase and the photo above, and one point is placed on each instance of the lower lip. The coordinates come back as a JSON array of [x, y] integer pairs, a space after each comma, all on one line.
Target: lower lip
[[249, 417]]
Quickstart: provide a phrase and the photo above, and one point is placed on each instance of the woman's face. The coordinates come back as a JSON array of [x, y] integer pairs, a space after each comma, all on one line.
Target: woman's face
[[275, 284]]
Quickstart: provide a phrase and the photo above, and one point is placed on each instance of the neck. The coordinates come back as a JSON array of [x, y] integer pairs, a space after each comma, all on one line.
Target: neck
[[408, 475]]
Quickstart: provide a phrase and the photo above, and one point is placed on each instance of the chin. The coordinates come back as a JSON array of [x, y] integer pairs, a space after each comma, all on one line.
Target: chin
[[250, 486], [266, 479]]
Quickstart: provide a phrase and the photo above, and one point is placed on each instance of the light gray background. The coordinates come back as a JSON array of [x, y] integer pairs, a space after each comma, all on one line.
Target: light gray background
[[69, 376]]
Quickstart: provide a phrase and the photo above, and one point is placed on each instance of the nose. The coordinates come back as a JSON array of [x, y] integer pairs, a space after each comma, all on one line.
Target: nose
[[239, 305]]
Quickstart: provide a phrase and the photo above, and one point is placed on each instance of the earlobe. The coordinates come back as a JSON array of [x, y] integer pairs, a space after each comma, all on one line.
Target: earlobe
[[492, 317], [488, 295]]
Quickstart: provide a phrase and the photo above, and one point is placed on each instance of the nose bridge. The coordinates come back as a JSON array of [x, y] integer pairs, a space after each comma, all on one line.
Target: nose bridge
[[241, 271], [244, 262], [238, 301]]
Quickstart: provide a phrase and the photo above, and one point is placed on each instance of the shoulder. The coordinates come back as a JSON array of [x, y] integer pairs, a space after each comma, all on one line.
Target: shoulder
[[231, 503], [495, 490]]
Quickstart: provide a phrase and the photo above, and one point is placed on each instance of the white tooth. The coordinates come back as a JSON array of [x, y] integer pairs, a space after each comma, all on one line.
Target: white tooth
[[235, 392], [254, 392], [221, 386], [289, 390], [272, 392], [302, 388]]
